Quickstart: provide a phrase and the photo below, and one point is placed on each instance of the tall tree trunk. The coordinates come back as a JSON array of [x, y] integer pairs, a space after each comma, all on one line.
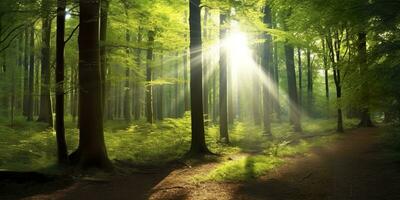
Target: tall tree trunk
[[137, 111], [91, 150], [294, 110], [300, 78], [223, 85], [160, 99], [127, 91], [205, 70], [309, 83], [276, 85], [31, 74], [268, 69], [198, 144], [62, 153], [335, 59], [26, 73], [325, 60], [45, 113], [149, 90], [365, 116]]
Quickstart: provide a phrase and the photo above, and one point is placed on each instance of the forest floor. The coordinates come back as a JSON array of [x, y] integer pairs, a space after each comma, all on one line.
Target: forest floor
[[356, 166]]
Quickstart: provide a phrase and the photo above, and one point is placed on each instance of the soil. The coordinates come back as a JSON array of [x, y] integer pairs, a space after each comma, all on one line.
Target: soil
[[356, 167]]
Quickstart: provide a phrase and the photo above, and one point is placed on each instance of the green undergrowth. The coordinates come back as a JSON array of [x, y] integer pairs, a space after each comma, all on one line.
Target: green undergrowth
[[31, 146], [260, 154]]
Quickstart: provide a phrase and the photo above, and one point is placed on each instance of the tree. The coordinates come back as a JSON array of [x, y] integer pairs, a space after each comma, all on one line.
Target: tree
[[223, 85], [31, 73], [149, 88], [268, 69], [91, 151], [365, 120], [198, 144], [45, 113], [60, 129]]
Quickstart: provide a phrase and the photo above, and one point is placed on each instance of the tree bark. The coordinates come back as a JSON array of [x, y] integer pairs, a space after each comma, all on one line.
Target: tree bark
[[294, 110], [31, 73], [26, 73], [91, 150], [365, 117], [127, 90], [223, 85], [268, 69], [45, 113], [309, 83], [198, 144], [205, 70], [149, 88], [62, 153], [300, 77]]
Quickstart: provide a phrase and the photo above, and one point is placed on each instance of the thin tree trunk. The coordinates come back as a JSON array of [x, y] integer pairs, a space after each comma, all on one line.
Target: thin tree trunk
[[205, 70], [309, 83], [31, 74], [160, 100], [149, 90], [127, 91], [176, 87], [300, 78], [26, 73], [223, 86], [137, 111], [62, 153]]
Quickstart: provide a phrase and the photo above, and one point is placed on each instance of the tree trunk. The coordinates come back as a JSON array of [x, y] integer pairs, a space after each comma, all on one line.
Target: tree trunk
[[268, 69], [223, 86], [92, 150], [198, 144], [137, 112], [45, 113], [276, 85], [205, 70], [149, 88], [127, 91], [365, 116], [26, 73], [177, 87], [300, 78], [160, 99], [335, 59], [309, 83], [294, 110], [62, 153], [31, 74]]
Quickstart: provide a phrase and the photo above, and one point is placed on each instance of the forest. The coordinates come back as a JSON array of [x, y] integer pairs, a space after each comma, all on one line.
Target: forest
[[200, 99]]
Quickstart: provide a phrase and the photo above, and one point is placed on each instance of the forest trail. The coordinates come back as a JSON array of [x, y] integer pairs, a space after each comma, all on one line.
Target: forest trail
[[354, 167]]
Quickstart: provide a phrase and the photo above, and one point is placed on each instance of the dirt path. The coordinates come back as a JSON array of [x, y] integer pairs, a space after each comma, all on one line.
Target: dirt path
[[355, 167]]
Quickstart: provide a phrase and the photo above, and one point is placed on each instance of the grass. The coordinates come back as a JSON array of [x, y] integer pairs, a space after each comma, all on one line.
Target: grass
[[31, 146], [273, 152]]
